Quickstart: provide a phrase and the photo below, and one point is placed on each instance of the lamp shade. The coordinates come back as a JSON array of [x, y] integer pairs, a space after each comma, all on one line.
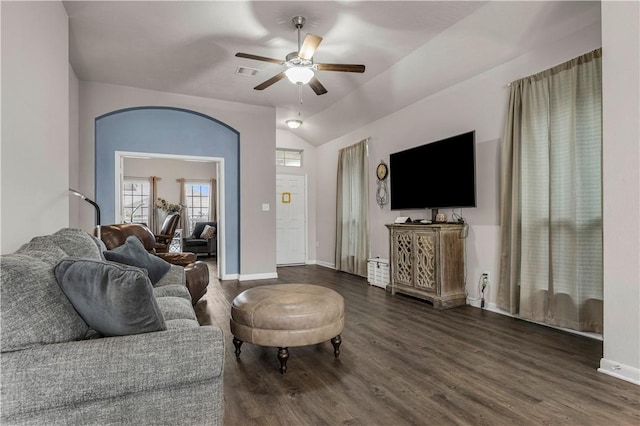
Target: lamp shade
[[299, 75], [294, 124]]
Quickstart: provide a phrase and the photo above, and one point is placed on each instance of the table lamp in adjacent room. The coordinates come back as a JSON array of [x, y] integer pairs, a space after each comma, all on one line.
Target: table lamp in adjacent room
[[94, 204]]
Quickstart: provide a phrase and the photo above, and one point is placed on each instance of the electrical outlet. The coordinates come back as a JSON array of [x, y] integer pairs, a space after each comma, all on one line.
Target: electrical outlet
[[485, 274], [484, 279], [484, 282]]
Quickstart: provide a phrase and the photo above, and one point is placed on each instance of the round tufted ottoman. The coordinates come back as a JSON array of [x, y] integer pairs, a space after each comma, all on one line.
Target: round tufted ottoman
[[285, 315]]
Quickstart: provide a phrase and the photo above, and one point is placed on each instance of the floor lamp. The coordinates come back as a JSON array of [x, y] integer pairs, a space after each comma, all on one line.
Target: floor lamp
[[93, 203]]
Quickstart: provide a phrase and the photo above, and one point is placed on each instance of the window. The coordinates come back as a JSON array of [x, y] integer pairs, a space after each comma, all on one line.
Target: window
[[552, 197], [288, 157], [198, 202], [135, 200]]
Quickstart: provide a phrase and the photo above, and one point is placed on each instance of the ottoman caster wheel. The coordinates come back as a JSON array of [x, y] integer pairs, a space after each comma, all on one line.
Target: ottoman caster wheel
[[283, 356], [237, 343], [336, 345]]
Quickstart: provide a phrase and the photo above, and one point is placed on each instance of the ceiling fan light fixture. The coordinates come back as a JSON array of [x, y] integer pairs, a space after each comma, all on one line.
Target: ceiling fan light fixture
[[294, 123], [299, 75]]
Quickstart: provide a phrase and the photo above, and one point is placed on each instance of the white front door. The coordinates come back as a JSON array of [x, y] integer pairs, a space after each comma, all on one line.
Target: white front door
[[291, 226]]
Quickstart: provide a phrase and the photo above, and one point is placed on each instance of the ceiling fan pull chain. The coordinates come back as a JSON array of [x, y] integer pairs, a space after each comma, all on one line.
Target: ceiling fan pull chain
[[300, 94]]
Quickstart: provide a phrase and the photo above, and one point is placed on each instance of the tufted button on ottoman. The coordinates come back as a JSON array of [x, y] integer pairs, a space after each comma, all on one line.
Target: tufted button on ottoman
[[285, 315]]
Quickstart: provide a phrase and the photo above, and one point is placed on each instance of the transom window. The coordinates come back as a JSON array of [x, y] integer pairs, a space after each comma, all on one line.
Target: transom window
[[135, 200], [198, 202], [288, 157]]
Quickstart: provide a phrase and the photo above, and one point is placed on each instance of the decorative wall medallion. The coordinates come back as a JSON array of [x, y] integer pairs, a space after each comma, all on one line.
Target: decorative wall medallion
[[382, 170], [382, 194]]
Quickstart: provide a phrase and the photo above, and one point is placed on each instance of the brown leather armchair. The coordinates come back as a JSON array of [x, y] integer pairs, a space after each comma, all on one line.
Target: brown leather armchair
[[197, 272], [167, 232]]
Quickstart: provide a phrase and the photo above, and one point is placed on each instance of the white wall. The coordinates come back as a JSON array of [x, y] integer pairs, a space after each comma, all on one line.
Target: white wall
[[479, 104], [256, 126], [75, 203], [621, 186], [288, 139], [35, 121]]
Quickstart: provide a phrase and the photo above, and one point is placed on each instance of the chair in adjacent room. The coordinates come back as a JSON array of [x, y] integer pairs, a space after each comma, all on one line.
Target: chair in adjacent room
[[202, 244], [167, 232]]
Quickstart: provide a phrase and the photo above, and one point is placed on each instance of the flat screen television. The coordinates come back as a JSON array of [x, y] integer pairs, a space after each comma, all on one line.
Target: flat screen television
[[436, 175]]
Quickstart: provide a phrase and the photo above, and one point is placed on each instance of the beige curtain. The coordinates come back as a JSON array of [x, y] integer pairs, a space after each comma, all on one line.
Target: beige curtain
[[153, 211], [352, 203], [551, 197], [184, 214]]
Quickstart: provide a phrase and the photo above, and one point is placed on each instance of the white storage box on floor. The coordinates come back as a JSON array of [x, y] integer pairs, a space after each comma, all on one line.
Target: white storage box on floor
[[378, 272]]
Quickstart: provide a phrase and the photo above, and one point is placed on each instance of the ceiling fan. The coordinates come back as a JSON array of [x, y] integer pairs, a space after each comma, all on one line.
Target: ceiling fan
[[300, 66]]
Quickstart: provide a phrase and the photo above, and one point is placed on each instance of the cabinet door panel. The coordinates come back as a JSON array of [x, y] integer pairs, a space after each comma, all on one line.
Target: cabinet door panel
[[402, 248], [425, 261]]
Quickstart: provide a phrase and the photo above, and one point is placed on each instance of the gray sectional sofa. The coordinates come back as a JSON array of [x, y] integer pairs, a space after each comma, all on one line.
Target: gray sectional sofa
[[57, 369]]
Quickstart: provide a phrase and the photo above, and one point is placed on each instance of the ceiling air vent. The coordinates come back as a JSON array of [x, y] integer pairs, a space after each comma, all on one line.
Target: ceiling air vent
[[246, 71]]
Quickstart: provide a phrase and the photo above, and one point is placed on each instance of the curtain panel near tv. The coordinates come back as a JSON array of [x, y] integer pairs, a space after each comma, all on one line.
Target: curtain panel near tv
[[352, 210], [551, 198]]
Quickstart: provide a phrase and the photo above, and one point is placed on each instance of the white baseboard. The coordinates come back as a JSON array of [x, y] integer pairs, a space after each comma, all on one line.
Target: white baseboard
[[229, 277], [494, 308], [326, 264], [311, 262], [488, 307], [265, 276], [620, 371]]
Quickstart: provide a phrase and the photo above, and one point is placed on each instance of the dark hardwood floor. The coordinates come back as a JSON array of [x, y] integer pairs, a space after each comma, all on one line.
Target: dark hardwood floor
[[404, 363]]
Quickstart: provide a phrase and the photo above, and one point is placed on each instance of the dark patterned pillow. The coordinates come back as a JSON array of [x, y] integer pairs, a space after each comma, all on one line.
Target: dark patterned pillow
[[113, 299], [133, 253]]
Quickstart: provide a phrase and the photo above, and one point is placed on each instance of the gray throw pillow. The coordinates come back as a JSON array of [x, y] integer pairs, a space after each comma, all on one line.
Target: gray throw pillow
[[133, 253], [113, 299]]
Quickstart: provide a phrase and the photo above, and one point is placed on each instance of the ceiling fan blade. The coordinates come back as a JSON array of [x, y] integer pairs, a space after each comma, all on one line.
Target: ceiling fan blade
[[276, 78], [340, 67], [317, 87], [309, 46], [259, 58]]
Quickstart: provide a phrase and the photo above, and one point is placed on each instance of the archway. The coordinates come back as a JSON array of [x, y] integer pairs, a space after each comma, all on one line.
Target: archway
[[172, 131]]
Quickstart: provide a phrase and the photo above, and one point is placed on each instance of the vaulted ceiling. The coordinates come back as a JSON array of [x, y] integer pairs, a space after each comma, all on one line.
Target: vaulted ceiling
[[411, 49]]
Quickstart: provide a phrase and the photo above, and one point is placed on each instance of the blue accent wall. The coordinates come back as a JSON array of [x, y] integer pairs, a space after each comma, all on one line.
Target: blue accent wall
[[176, 131]]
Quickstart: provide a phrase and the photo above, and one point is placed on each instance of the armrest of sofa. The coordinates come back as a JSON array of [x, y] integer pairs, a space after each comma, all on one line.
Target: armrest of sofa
[[65, 374]]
